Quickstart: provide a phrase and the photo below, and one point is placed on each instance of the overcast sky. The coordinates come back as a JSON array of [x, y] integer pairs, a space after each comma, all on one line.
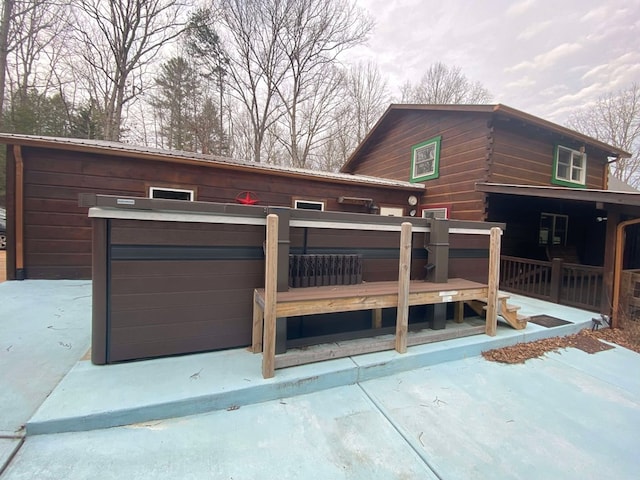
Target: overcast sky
[[546, 57]]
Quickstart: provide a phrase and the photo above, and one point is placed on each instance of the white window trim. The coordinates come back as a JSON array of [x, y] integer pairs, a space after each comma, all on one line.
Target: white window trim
[[438, 212], [434, 172], [177, 190], [296, 204], [583, 171]]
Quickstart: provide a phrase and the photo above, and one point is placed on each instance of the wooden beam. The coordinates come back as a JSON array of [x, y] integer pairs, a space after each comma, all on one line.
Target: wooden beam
[[404, 282], [493, 282], [617, 269], [258, 319], [270, 292], [19, 212]]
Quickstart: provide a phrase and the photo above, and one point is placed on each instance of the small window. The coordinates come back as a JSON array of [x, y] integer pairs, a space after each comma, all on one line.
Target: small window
[[391, 211], [425, 160], [440, 212], [553, 229], [309, 205], [570, 167], [171, 193]]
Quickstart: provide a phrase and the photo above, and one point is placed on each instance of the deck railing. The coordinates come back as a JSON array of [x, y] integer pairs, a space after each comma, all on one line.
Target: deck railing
[[555, 281]]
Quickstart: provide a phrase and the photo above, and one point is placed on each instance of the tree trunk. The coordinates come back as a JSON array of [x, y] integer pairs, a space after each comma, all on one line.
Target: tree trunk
[[7, 10]]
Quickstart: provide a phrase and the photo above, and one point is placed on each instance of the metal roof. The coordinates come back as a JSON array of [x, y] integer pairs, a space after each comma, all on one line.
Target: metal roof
[[494, 109], [105, 147], [564, 193]]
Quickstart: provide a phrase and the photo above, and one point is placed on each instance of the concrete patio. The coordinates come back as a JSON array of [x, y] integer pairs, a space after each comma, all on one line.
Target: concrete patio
[[439, 411]]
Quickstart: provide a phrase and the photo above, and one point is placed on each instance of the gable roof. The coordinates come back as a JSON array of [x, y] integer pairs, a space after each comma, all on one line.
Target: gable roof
[[104, 147], [493, 110]]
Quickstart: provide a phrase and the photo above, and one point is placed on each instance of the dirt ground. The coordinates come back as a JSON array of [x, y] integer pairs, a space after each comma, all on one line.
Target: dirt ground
[[627, 336]]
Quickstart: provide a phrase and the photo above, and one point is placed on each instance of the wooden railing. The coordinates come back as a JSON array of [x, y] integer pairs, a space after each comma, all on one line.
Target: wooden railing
[[555, 281]]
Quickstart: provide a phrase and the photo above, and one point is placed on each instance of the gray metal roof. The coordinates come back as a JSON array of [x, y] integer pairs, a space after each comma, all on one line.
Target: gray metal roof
[[117, 148]]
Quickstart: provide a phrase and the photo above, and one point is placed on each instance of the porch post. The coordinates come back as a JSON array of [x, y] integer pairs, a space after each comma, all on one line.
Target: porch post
[[606, 301]]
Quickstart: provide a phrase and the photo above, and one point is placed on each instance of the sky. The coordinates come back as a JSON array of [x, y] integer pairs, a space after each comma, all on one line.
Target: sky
[[545, 57]]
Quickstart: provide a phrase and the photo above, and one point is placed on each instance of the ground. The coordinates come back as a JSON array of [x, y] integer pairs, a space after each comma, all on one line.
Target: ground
[[627, 336]]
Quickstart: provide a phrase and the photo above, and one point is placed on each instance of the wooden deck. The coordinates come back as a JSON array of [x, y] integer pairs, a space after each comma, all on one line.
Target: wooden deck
[[268, 304]]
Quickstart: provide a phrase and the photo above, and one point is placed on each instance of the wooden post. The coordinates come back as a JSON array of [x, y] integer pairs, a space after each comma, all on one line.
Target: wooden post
[[270, 292], [19, 212], [376, 318], [556, 279], [256, 331], [494, 282], [458, 312], [404, 278]]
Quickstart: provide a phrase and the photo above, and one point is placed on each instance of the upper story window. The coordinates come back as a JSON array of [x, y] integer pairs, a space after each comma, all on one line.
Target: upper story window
[[425, 160], [569, 167], [171, 193]]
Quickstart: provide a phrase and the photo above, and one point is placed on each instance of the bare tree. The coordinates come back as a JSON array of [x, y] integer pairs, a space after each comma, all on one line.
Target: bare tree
[[5, 24], [253, 31], [315, 32], [368, 97], [118, 39], [281, 57], [615, 119], [443, 85]]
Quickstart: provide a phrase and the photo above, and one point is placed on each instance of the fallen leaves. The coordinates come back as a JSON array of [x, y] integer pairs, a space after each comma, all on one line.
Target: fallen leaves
[[585, 340]]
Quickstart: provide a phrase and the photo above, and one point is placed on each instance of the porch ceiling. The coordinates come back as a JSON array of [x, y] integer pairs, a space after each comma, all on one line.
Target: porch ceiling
[[581, 195]]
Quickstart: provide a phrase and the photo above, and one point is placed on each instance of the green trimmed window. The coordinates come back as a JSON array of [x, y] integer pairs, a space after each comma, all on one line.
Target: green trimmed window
[[425, 160], [569, 167]]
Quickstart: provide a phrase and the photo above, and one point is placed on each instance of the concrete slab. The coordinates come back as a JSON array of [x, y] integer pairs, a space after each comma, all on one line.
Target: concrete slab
[[547, 418], [8, 447], [91, 397], [44, 330], [333, 434]]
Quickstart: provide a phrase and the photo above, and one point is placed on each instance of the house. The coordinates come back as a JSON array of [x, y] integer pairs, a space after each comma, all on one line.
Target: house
[[174, 263], [546, 182], [49, 234]]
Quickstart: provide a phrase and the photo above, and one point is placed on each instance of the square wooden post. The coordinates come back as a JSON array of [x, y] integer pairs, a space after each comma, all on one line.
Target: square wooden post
[[494, 282], [404, 278], [270, 292]]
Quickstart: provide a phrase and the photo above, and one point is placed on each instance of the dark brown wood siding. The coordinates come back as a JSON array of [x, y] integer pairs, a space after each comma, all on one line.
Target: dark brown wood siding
[[178, 287], [524, 156], [463, 156], [58, 232]]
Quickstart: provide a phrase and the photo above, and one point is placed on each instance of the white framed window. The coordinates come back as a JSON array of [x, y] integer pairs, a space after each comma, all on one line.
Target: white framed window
[[439, 212], [425, 160], [309, 205], [569, 167], [392, 211], [171, 193]]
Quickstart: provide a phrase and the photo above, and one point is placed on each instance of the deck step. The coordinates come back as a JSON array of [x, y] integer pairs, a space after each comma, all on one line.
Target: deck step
[[507, 311]]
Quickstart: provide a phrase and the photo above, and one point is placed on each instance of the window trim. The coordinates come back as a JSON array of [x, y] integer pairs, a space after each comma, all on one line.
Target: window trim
[[192, 193], [435, 209], [414, 178], [556, 180], [309, 202]]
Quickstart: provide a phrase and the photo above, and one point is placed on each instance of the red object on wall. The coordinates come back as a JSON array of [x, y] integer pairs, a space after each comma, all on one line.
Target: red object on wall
[[247, 198]]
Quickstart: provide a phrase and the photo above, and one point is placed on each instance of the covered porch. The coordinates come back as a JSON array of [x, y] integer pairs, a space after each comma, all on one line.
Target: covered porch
[[567, 246]]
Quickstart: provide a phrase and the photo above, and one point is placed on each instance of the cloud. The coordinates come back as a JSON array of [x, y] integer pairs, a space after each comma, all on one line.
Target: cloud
[[519, 8], [533, 30], [523, 82], [547, 59]]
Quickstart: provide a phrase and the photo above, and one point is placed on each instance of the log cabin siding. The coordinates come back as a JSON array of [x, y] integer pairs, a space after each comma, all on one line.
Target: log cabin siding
[[463, 156], [58, 231], [525, 156]]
